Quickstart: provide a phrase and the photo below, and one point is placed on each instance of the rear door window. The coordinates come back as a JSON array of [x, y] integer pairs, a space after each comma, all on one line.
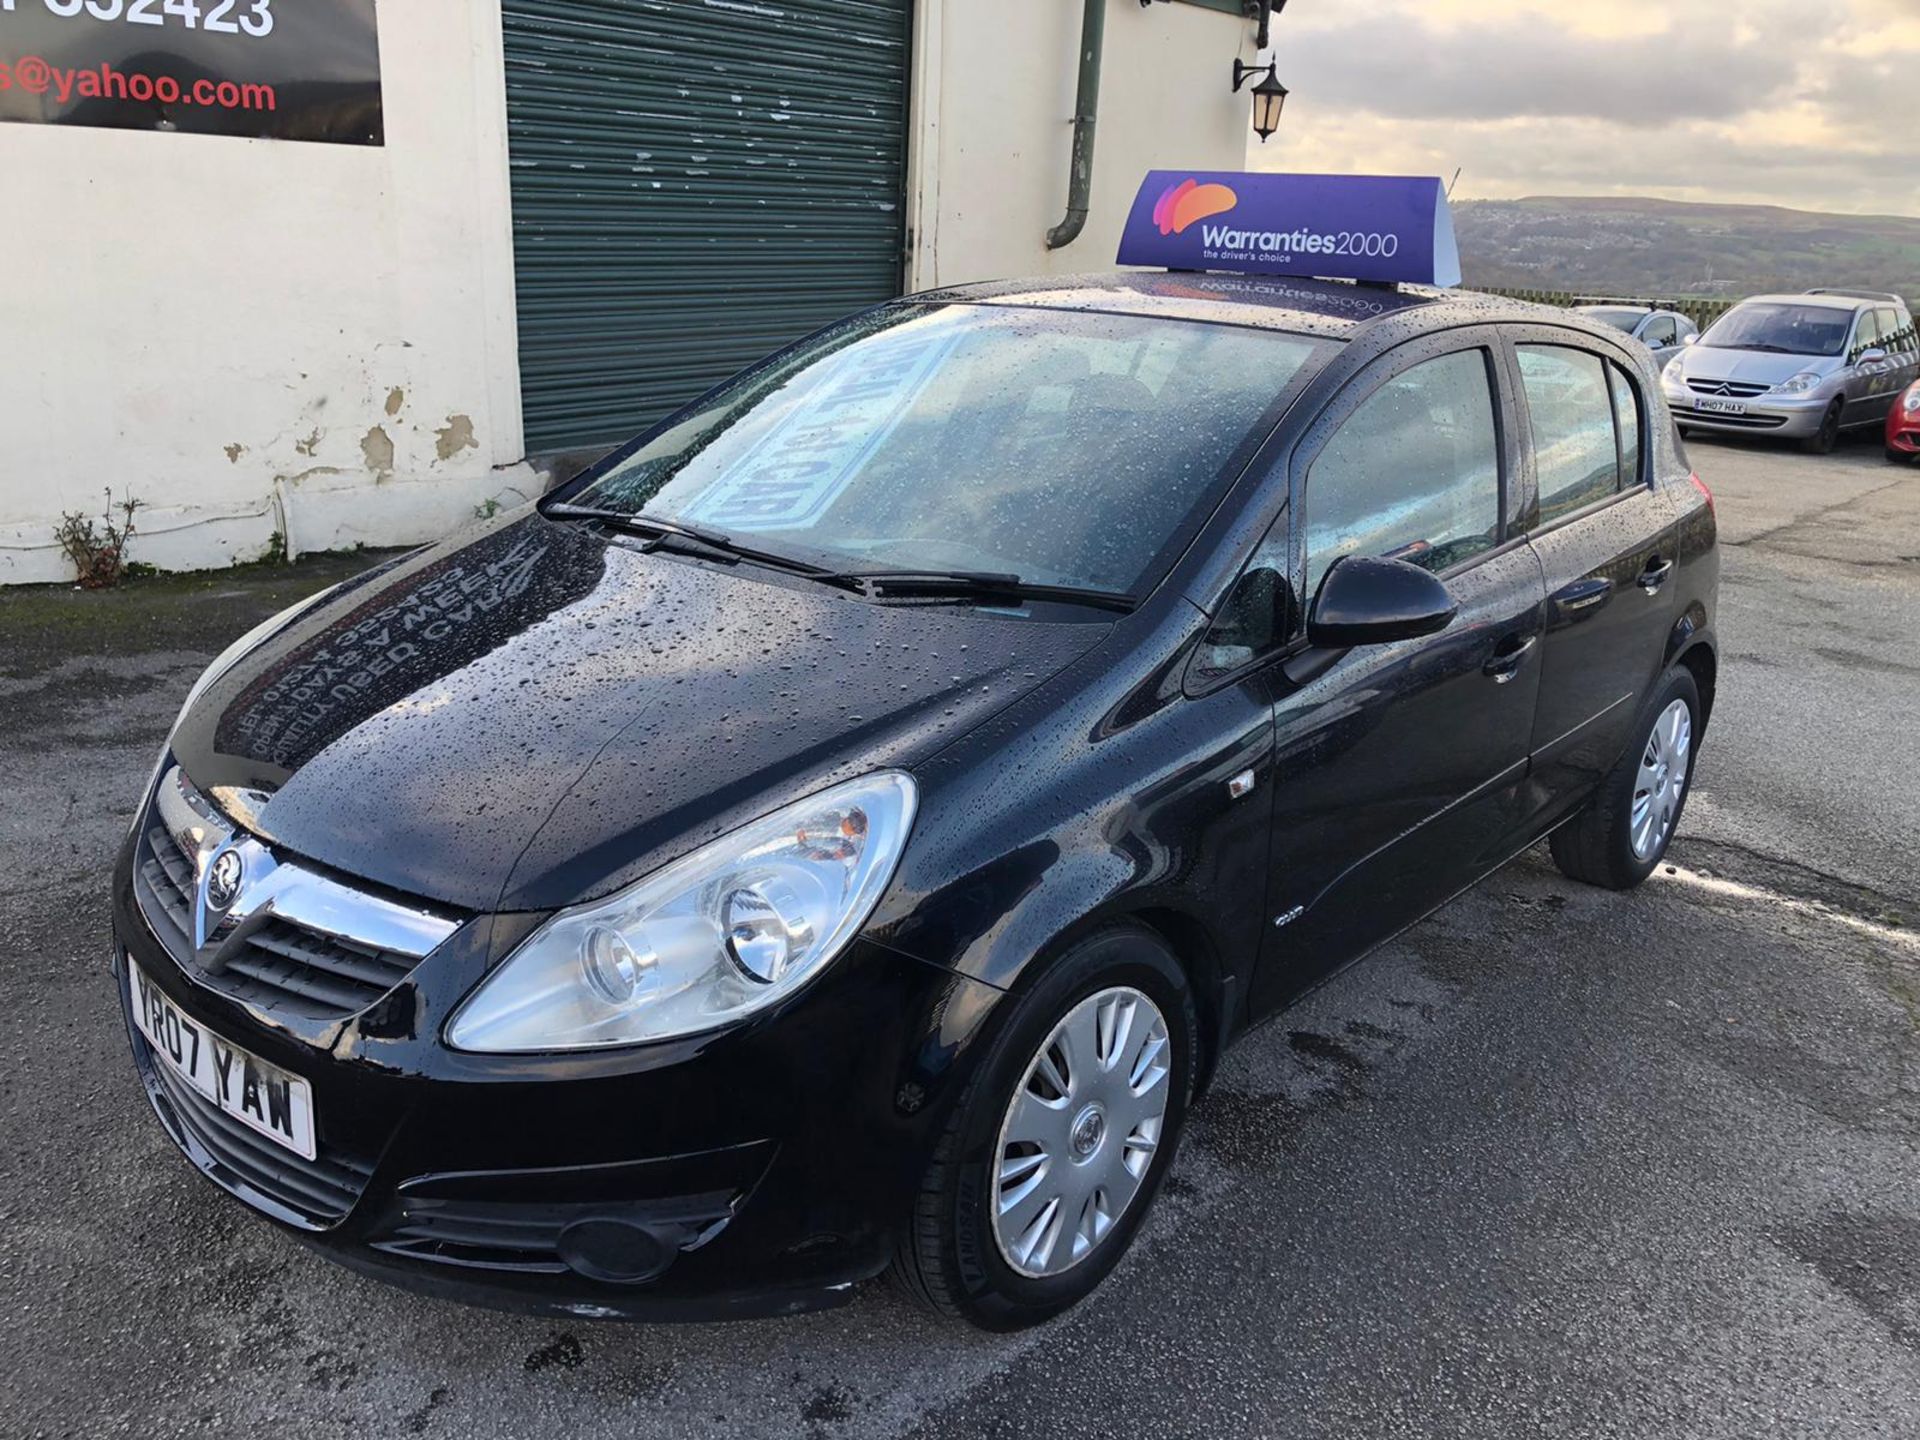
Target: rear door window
[[1413, 473], [1893, 336], [1660, 332], [1576, 429]]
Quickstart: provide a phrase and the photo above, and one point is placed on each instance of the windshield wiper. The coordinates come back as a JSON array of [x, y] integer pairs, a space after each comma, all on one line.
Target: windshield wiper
[[698, 540], [984, 585]]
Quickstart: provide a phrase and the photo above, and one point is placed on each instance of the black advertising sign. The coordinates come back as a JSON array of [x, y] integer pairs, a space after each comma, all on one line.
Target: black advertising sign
[[268, 69]]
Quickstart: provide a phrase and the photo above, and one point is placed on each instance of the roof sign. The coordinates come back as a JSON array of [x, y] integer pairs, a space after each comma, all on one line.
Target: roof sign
[[1348, 227]]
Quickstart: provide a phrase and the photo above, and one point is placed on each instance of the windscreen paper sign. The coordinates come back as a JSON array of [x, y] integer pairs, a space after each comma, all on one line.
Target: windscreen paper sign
[[788, 478], [1347, 227]]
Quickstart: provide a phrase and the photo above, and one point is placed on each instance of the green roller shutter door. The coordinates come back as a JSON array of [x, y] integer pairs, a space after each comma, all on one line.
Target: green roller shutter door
[[695, 183]]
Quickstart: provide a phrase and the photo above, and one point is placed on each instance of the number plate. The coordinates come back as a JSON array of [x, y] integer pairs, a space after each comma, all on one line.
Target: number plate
[[263, 1097], [1710, 406]]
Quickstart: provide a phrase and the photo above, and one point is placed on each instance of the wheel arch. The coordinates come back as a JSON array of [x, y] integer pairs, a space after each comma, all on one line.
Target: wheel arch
[[1693, 645], [1187, 937]]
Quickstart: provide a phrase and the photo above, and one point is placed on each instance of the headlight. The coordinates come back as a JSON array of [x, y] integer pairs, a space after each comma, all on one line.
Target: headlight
[[1672, 370], [715, 936], [1798, 384], [1912, 403]]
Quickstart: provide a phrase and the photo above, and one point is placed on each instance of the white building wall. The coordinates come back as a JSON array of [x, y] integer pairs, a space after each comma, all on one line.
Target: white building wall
[[994, 90], [258, 336]]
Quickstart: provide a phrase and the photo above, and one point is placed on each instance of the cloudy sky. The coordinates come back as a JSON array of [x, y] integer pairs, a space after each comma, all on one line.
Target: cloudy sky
[[1808, 103]]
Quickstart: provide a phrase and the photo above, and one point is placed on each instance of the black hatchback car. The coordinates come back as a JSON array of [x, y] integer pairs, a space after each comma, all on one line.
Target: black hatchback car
[[843, 829]]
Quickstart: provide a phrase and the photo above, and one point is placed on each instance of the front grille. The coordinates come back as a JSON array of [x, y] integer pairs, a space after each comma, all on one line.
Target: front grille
[[516, 1235], [286, 967], [1739, 422], [315, 1193], [1735, 389], [478, 1234], [279, 967], [168, 872]]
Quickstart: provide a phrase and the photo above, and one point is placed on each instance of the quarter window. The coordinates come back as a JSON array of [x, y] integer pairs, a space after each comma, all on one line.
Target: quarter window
[[1661, 332], [1626, 419], [1414, 473], [1577, 447], [1259, 616], [1866, 335]]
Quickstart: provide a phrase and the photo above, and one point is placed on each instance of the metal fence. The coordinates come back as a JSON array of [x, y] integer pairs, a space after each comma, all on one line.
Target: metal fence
[[1703, 311]]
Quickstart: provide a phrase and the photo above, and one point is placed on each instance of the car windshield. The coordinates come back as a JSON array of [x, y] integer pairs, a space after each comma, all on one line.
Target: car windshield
[[1620, 319], [1064, 447], [1787, 328]]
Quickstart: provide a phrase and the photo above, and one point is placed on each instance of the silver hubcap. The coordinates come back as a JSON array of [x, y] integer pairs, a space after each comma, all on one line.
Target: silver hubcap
[[1081, 1131], [1662, 779]]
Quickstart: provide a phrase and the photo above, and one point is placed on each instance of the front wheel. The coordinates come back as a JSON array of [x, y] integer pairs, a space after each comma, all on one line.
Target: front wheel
[[1622, 834], [1899, 457], [1056, 1150], [1823, 440]]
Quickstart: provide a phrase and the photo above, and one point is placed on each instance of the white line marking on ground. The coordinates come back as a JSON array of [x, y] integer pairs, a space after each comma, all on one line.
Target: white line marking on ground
[[1813, 909]]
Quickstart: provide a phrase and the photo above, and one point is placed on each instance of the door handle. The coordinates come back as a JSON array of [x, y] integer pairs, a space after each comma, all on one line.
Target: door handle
[[1655, 575], [1507, 657], [1582, 596]]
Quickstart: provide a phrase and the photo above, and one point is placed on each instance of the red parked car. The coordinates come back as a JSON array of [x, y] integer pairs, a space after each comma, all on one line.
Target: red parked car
[[1903, 425]]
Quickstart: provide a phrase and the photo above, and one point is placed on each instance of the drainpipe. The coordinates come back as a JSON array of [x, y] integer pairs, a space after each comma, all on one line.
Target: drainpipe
[[1093, 32]]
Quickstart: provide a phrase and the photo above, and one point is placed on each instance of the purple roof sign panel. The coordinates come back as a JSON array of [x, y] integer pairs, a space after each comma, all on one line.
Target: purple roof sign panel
[[1386, 228]]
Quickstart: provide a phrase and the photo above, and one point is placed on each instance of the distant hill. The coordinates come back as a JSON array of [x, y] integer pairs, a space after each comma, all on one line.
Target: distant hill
[[1630, 246]]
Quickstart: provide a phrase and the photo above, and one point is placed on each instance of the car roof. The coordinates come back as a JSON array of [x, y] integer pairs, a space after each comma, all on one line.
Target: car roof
[[1806, 297], [1334, 309]]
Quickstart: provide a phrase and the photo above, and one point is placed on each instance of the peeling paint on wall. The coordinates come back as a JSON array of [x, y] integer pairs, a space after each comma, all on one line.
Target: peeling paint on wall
[[309, 473], [377, 446], [456, 435], [234, 452], [310, 444], [396, 397]]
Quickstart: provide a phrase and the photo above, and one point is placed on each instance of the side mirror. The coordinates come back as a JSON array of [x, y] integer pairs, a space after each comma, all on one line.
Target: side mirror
[[1873, 355], [1366, 600], [1688, 339]]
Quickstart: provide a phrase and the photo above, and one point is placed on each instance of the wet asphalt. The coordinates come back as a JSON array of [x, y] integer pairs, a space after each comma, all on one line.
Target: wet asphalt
[[1557, 1162]]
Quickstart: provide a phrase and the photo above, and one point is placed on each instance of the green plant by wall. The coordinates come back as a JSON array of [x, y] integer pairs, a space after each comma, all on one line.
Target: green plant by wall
[[98, 552]]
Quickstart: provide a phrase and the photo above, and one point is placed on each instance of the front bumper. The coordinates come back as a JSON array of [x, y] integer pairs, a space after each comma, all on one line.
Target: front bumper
[[1903, 431], [1793, 419], [757, 1171]]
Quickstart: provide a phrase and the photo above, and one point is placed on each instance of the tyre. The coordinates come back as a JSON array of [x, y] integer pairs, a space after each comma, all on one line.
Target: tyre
[[1618, 839], [1822, 441], [1058, 1146], [1899, 457]]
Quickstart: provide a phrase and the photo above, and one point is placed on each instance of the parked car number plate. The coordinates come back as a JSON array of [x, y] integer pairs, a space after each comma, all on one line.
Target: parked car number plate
[[263, 1097], [1710, 406]]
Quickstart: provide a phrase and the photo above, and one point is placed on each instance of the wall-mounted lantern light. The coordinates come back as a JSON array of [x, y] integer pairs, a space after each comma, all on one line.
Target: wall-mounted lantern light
[[1269, 96], [1269, 99]]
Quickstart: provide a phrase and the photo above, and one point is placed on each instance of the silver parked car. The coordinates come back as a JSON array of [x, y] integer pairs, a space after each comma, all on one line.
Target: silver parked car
[[1662, 331], [1802, 367]]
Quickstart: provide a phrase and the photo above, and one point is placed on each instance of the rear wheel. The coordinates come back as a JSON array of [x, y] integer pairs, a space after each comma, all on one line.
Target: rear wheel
[[1622, 834], [1822, 441], [1059, 1145]]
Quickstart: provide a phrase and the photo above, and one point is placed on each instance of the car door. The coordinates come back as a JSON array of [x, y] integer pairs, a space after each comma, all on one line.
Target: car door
[[1398, 767], [1606, 539], [1865, 378], [1898, 370]]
